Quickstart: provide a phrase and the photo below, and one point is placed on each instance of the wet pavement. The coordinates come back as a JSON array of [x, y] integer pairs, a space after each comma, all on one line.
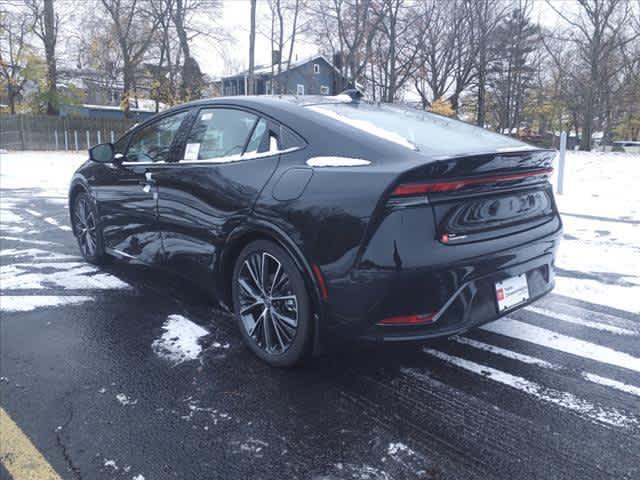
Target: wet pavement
[[553, 391]]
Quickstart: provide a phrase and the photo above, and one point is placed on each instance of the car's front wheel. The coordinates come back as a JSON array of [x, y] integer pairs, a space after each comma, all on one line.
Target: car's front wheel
[[84, 219], [272, 305]]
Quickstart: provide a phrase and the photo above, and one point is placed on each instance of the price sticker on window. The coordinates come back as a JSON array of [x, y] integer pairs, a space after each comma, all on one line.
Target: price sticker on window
[[192, 151]]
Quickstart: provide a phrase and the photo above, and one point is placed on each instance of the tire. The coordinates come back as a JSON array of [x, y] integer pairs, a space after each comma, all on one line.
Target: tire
[[273, 311], [86, 229]]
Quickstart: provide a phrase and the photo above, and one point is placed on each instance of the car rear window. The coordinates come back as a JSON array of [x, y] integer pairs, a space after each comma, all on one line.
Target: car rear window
[[419, 130]]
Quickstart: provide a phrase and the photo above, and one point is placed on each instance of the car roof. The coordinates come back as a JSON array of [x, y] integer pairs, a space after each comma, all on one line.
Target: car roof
[[279, 101]]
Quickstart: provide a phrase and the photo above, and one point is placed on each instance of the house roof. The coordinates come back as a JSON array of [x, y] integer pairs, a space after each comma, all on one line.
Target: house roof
[[266, 69]]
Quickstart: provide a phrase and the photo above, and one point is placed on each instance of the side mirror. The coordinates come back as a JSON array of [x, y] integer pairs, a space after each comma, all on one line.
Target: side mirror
[[102, 153]]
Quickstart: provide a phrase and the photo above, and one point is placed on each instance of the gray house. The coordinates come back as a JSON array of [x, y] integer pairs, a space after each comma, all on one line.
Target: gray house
[[311, 76]]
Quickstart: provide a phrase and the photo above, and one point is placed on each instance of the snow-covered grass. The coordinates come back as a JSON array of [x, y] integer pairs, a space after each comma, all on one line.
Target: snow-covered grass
[[599, 258], [49, 173]]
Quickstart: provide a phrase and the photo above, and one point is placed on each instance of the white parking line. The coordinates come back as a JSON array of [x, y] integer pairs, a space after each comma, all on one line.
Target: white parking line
[[33, 212], [55, 223], [550, 339], [609, 382], [591, 377], [25, 240], [521, 357], [566, 400], [605, 327]]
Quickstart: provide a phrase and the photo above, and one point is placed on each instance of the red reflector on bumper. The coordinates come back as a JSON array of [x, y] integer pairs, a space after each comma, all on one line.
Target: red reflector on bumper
[[320, 279], [409, 320]]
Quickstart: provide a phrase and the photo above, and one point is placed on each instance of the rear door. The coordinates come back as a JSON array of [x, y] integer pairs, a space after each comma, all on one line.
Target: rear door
[[127, 195], [226, 159]]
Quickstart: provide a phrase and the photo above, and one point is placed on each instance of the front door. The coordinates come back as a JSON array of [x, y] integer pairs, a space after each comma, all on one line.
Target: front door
[[127, 195], [224, 165]]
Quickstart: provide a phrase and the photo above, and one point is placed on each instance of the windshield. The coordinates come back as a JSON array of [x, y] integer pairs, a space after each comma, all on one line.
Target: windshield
[[419, 130]]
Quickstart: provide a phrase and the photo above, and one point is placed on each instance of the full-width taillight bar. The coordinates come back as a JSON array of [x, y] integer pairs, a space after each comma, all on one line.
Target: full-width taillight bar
[[407, 189]]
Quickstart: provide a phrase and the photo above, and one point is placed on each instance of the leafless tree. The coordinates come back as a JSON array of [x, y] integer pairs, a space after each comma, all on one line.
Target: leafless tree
[[401, 37], [45, 24], [435, 61], [486, 15], [14, 51], [598, 33], [134, 29], [348, 28]]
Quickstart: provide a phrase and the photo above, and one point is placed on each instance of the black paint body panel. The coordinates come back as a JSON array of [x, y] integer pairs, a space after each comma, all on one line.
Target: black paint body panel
[[378, 258]]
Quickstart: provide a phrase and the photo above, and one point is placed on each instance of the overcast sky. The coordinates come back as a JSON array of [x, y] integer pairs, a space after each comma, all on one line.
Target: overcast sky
[[235, 18]]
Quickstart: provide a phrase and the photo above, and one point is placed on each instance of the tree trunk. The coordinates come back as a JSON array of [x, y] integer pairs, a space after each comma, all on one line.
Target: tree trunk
[[293, 39], [50, 54], [252, 48]]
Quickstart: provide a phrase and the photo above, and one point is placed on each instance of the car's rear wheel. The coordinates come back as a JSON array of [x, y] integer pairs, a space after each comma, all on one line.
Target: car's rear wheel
[[85, 228], [271, 304]]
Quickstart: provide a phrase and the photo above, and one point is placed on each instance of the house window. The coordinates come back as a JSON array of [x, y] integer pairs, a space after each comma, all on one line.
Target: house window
[[324, 90], [316, 68], [300, 89]]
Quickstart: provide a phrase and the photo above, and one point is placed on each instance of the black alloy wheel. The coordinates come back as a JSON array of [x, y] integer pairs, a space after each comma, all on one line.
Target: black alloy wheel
[[271, 304], [85, 228]]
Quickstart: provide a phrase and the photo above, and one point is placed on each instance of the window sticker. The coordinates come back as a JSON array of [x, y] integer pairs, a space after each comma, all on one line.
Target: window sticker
[[207, 116], [192, 151]]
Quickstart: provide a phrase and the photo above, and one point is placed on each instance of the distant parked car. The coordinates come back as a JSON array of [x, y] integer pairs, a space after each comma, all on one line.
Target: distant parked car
[[321, 219], [628, 146]]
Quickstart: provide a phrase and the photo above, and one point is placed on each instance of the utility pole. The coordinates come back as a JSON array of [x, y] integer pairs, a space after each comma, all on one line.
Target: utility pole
[[252, 49]]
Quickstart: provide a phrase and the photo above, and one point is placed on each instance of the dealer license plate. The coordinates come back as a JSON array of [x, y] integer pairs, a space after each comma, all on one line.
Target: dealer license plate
[[511, 292]]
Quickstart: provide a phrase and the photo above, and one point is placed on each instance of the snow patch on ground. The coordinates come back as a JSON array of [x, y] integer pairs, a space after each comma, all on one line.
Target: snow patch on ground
[[395, 448], [213, 413], [66, 275], [179, 342], [56, 223], [251, 446], [352, 471], [27, 303], [35, 253], [28, 240], [48, 173], [599, 257], [125, 400]]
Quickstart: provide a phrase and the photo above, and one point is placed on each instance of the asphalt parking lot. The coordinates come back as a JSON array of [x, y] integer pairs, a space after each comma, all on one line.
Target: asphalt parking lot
[[552, 391]]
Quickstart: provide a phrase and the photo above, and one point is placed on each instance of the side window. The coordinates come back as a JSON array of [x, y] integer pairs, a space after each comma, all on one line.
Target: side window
[[257, 143], [288, 139], [121, 145], [219, 132], [152, 143]]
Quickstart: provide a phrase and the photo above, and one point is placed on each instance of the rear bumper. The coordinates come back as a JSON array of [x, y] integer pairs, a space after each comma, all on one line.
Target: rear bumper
[[460, 293], [473, 304]]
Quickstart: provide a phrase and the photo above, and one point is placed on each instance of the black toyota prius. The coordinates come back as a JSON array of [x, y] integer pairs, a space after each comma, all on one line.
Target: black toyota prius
[[321, 219]]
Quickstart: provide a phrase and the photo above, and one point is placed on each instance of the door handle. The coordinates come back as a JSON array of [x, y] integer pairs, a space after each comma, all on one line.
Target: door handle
[[148, 182]]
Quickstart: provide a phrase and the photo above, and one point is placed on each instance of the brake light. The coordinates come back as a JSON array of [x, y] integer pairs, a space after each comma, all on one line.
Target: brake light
[[409, 320], [407, 189]]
